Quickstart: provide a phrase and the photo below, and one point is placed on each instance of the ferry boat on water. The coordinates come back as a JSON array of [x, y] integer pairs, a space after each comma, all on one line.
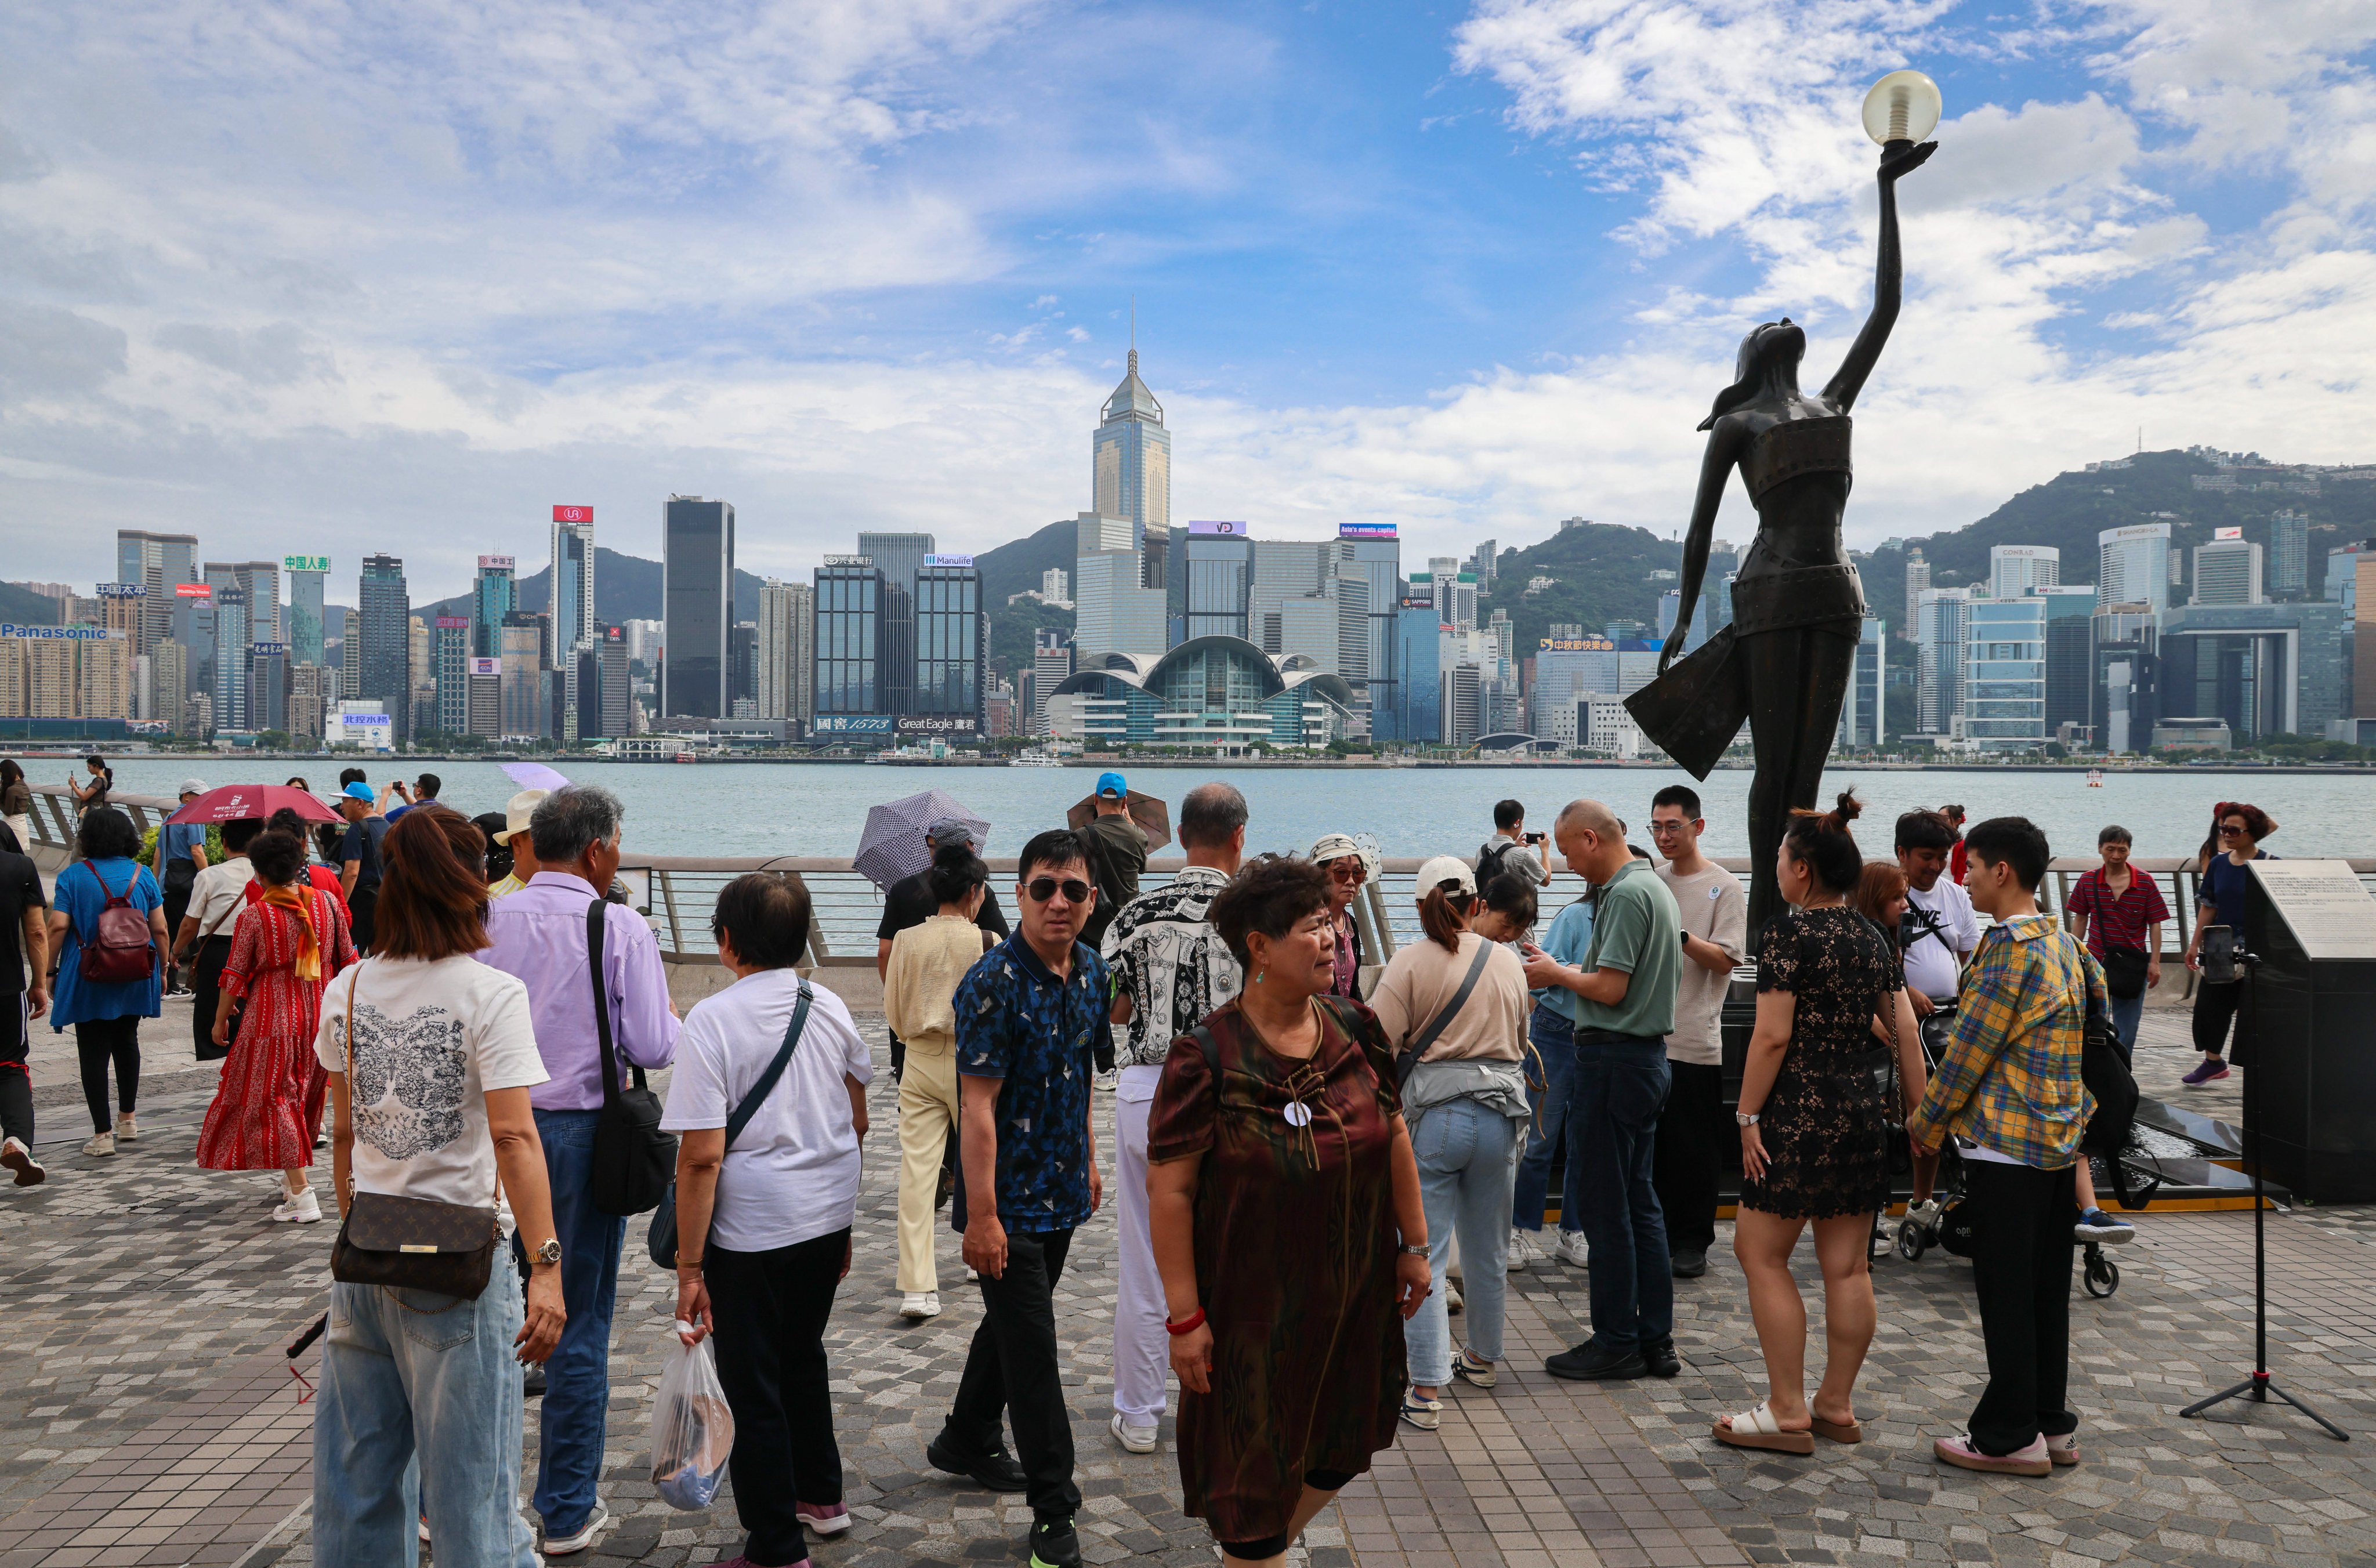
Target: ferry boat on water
[[2095, 778], [1035, 759]]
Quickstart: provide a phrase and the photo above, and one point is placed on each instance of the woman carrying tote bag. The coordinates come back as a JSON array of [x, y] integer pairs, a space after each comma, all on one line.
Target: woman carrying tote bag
[[430, 1056]]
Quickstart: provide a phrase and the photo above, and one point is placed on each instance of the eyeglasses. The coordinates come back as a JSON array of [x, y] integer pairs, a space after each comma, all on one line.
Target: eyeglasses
[[1660, 828], [1042, 888], [2228, 829]]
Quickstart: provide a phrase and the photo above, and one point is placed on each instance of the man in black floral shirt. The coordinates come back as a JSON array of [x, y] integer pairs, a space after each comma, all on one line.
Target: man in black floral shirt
[[1170, 969]]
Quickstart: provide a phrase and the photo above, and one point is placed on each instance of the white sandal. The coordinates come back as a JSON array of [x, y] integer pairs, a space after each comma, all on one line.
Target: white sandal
[[1757, 1429]]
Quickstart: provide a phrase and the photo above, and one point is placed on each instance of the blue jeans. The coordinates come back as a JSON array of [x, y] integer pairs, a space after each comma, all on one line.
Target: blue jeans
[[578, 1378], [1621, 1084], [1554, 1043], [2127, 1012], [1468, 1154], [420, 1413]]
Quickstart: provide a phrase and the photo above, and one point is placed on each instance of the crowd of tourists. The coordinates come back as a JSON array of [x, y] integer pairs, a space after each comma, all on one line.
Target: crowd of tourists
[[1308, 1145]]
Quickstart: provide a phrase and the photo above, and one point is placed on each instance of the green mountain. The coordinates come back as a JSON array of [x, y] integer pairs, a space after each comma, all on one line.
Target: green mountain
[[1010, 569], [26, 608], [1597, 572], [626, 587]]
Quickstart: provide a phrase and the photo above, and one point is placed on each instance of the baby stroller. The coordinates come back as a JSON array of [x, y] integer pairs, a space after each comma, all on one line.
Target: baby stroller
[[1943, 1222]]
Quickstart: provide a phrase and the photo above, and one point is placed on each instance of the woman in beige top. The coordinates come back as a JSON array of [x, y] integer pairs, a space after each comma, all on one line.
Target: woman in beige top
[[1461, 1001], [919, 981]]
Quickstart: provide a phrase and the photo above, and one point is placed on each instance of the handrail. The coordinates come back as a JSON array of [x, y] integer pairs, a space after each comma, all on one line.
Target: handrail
[[847, 907]]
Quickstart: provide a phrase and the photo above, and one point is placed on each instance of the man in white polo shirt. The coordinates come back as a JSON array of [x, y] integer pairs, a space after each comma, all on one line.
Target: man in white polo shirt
[[1938, 912]]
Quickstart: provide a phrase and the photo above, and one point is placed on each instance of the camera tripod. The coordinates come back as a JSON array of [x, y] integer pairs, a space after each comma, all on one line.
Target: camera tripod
[[2259, 1387]]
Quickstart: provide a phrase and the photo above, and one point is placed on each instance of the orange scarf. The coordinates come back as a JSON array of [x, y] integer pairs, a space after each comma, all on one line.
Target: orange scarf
[[308, 965]]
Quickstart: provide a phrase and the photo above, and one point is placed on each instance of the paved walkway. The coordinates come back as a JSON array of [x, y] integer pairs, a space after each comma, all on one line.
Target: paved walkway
[[147, 1416]]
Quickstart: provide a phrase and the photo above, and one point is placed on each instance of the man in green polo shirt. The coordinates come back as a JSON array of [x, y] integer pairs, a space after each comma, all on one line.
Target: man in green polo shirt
[[1626, 1008]]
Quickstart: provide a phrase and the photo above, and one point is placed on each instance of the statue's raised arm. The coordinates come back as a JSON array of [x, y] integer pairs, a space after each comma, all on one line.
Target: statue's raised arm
[[1888, 280]]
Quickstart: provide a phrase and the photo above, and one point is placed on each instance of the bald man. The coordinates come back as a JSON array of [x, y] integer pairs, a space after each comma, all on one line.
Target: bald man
[[1624, 1010]]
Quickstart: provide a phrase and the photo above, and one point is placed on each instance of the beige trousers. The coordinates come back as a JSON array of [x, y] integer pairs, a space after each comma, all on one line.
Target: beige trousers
[[928, 1119]]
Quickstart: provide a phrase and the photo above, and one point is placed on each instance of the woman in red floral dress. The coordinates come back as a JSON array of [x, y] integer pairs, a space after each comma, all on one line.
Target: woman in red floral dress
[[285, 948]]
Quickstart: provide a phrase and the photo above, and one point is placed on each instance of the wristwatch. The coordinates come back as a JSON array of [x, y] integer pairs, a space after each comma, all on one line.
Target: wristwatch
[[550, 1253], [1746, 1119]]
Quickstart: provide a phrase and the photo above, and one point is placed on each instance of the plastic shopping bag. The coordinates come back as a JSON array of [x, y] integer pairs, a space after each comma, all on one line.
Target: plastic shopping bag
[[693, 1432]]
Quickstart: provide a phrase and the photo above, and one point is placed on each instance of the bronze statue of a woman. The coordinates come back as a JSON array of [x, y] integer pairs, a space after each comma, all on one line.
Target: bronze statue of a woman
[[1798, 607]]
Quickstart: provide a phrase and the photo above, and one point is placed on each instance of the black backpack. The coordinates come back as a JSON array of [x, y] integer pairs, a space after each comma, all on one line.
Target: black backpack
[[1488, 864]]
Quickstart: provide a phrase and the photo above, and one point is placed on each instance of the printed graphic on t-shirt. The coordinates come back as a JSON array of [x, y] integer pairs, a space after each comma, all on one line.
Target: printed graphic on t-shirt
[[421, 1058]]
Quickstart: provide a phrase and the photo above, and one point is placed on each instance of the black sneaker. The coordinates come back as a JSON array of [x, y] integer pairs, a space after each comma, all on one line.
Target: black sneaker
[[1054, 1545], [1589, 1362], [1689, 1266], [1659, 1359], [997, 1470]]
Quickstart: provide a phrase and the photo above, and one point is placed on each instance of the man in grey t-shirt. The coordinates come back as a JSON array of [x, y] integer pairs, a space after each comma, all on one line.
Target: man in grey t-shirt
[[1511, 853]]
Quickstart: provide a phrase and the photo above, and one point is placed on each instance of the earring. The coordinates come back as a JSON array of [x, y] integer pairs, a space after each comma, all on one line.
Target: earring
[[1258, 976]]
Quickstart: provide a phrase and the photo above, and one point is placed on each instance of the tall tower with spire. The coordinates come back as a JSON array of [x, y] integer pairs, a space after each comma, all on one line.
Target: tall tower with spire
[[1131, 461]]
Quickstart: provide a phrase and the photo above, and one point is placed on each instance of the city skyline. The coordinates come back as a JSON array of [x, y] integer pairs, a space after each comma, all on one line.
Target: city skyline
[[2134, 215]]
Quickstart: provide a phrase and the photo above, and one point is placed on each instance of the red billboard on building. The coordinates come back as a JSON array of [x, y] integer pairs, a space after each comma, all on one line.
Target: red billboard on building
[[573, 513]]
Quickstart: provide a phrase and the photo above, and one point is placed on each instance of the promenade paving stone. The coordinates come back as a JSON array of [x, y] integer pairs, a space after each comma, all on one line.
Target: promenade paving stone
[[148, 1417]]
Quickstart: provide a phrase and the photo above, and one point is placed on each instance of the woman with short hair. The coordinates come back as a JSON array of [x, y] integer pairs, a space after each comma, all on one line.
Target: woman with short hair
[[1285, 1212], [763, 1226], [430, 1056], [1461, 1001], [17, 804], [2238, 829], [1814, 1133], [287, 946], [1346, 866], [106, 1014]]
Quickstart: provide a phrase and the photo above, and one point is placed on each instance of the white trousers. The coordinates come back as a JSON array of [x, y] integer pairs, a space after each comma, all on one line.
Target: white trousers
[[1142, 1350]]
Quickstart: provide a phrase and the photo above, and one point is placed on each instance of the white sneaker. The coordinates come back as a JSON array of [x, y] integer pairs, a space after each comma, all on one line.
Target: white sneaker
[[305, 1208], [1523, 1250], [563, 1546], [1108, 1081], [126, 1129], [917, 1305], [1138, 1440], [1451, 1301], [1572, 1250], [1925, 1213], [16, 1157], [101, 1144], [972, 1277]]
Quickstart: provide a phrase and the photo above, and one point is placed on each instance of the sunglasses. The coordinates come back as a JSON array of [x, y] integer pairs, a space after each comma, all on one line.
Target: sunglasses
[[2231, 829], [1348, 867], [1042, 888]]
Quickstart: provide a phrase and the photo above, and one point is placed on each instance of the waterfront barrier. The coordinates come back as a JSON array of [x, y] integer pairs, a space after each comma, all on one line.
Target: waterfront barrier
[[677, 892]]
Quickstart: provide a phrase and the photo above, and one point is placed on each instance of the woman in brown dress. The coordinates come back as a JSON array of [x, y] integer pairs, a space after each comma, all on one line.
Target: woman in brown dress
[[1285, 1208]]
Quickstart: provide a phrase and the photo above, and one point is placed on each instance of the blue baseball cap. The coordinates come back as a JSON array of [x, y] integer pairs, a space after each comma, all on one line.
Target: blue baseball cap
[[359, 790], [1110, 786]]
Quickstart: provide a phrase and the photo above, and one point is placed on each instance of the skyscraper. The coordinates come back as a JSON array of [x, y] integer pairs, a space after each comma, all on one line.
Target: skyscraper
[[351, 657], [1861, 715], [1217, 560], [1115, 614], [786, 649], [1131, 458], [898, 556], [1051, 663], [2228, 570], [1917, 578], [230, 659], [848, 619], [605, 693], [952, 641], [2014, 569], [307, 575], [2288, 556], [451, 661], [2132, 565], [159, 563], [384, 608], [522, 693], [572, 599], [490, 599], [1939, 679], [1373, 553], [697, 597], [1280, 570], [2004, 672]]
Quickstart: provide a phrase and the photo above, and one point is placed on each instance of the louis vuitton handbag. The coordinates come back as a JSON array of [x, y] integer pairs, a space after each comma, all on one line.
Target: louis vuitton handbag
[[410, 1244]]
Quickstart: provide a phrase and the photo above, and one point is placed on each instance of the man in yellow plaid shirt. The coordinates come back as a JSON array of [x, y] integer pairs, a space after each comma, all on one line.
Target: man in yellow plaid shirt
[[2009, 1091]]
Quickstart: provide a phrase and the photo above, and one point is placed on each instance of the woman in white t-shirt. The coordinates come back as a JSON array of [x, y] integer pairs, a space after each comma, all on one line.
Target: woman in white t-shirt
[[763, 1228], [1467, 1104], [442, 1056]]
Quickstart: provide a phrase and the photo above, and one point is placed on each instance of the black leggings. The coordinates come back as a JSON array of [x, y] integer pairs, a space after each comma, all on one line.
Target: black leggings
[[96, 1041], [2215, 1009], [1271, 1546]]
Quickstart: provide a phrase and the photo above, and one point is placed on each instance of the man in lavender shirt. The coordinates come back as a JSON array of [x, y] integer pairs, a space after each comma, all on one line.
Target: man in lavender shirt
[[538, 934]]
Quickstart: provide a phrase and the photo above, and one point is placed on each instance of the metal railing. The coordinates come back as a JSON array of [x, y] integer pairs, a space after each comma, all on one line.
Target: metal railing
[[678, 892]]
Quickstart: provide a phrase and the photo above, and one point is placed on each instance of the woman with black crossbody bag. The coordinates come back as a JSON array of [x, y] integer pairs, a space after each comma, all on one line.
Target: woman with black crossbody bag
[[768, 1098], [430, 1056]]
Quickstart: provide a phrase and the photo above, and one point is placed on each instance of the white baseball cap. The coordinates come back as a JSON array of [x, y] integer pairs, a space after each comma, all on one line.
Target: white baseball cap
[[1448, 872]]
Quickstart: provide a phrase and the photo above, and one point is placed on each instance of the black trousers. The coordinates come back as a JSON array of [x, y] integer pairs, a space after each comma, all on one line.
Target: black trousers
[[360, 906], [178, 877], [2215, 1009], [99, 1042], [16, 1083], [2021, 1263], [205, 984], [1688, 1153], [1011, 1369], [770, 1311]]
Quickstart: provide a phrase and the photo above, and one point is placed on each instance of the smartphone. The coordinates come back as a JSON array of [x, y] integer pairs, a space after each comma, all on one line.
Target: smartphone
[[2218, 954]]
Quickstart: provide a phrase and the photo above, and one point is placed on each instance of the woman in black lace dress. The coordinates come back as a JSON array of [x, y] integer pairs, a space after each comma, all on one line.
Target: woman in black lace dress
[[1813, 1131]]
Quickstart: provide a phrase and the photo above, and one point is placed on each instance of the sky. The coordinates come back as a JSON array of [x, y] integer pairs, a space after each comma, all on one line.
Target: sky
[[328, 277]]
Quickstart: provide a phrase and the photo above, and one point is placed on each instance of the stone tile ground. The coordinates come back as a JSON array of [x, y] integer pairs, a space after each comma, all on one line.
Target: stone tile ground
[[142, 1400]]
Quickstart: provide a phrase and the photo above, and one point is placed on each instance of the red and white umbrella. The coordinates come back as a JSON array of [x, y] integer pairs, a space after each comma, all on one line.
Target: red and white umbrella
[[233, 802]]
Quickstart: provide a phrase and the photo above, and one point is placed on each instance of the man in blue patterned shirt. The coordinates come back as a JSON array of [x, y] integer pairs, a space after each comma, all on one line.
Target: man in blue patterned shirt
[[1031, 1021]]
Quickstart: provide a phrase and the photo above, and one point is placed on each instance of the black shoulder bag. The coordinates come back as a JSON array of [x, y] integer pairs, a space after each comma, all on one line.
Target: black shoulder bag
[[661, 1238], [633, 1161]]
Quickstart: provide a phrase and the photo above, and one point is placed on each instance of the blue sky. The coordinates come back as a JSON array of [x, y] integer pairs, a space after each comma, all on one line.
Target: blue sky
[[335, 277]]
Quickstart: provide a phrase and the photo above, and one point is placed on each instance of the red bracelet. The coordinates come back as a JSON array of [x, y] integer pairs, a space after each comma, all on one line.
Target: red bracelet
[[1190, 1324]]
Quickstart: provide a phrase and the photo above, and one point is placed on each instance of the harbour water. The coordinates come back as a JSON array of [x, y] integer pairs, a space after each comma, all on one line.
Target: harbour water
[[733, 809]]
